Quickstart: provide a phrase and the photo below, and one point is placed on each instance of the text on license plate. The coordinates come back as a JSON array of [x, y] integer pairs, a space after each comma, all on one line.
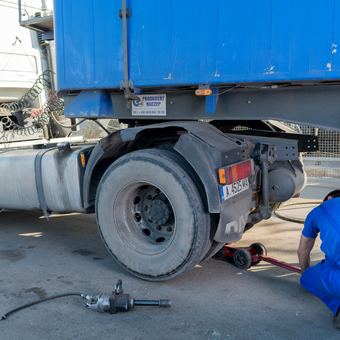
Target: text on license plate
[[231, 190]]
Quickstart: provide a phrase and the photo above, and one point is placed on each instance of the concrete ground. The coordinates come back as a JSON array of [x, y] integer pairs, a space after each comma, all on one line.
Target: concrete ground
[[215, 300]]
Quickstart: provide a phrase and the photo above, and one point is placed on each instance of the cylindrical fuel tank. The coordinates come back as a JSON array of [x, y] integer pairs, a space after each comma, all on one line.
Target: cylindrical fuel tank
[[53, 175], [286, 181]]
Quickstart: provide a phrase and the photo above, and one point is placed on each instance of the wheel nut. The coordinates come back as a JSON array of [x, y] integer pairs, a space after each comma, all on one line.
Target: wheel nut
[[159, 227], [149, 197], [146, 208], [157, 191], [169, 229]]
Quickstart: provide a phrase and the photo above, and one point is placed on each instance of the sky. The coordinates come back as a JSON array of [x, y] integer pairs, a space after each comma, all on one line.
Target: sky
[[9, 21], [18, 60]]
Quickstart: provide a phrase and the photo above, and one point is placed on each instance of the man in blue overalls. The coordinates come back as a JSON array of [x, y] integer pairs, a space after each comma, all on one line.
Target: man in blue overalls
[[323, 279]]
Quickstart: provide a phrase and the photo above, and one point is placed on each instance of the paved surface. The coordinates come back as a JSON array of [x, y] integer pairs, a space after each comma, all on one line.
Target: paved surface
[[213, 301]]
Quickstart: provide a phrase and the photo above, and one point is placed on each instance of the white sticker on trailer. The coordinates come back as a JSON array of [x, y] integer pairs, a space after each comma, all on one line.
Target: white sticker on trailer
[[149, 105], [231, 190]]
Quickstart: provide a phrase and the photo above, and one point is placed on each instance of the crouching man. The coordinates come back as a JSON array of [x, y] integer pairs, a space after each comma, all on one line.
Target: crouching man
[[323, 279]]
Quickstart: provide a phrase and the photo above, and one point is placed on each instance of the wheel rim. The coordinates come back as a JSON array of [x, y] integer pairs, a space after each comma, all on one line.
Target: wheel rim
[[240, 259], [145, 218], [262, 250]]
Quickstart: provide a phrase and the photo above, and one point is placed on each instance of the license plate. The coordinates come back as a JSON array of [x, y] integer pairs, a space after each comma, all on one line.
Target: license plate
[[231, 190]]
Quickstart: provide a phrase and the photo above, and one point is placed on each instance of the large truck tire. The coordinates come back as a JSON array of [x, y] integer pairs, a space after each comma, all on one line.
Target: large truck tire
[[214, 249], [152, 214]]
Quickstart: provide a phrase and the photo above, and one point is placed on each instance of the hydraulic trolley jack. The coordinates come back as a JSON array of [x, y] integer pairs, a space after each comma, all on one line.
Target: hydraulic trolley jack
[[245, 257]]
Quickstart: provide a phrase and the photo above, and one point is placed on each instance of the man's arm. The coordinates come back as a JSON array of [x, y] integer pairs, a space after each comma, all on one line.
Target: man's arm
[[305, 247]]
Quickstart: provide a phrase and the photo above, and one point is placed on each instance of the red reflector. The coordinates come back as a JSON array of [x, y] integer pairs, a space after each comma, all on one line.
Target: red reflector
[[236, 172]]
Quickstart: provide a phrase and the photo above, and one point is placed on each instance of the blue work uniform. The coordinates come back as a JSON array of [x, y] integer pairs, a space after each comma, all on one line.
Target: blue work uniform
[[323, 279]]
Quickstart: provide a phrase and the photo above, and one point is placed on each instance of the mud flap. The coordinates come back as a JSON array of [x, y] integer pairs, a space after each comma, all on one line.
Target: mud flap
[[233, 218]]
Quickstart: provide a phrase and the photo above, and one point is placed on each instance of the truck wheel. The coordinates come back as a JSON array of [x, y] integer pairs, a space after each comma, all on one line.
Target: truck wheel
[[151, 215], [214, 249], [242, 258]]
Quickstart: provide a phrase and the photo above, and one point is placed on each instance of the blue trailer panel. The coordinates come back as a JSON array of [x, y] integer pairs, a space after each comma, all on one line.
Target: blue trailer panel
[[175, 43]]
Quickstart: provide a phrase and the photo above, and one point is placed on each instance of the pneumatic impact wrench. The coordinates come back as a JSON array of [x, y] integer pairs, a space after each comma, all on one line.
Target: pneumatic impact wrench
[[119, 302]]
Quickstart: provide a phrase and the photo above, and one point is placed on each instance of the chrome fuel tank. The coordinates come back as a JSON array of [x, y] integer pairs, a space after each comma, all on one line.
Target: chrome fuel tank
[[48, 178]]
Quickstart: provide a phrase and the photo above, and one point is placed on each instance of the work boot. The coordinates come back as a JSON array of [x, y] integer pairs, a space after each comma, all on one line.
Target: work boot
[[336, 320]]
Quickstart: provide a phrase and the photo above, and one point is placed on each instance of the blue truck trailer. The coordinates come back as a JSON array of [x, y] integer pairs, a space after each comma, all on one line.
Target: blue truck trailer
[[179, 182]]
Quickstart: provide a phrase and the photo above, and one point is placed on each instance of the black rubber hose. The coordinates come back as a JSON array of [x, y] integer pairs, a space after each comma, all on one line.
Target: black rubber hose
[[66, 126], [3, 317], [107, 131], [293, 219]]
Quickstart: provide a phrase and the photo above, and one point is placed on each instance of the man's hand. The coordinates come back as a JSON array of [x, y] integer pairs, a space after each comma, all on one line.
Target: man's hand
[[305, 247]]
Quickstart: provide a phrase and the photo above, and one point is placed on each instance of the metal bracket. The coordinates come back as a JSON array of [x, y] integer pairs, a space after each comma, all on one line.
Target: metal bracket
[[265, 211], [203, 87], [39, 185], [91, 104], [266, 155], [212, 99], [270, 151], [127, 13], [124, 13], [306, 143], [122, 85], [279, 149]]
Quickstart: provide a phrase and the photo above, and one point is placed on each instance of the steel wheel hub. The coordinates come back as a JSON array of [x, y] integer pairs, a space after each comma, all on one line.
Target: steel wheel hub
[[145, 218], [158, 212]]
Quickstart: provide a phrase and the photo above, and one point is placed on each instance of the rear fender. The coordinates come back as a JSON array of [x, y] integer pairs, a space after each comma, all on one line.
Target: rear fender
[[202, 145]]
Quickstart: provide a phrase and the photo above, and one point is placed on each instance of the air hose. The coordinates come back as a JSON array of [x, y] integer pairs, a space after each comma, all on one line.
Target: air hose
[[3, 317], [66, 126], [53, 107], [293, 219], [40, 116], [42, 81]]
